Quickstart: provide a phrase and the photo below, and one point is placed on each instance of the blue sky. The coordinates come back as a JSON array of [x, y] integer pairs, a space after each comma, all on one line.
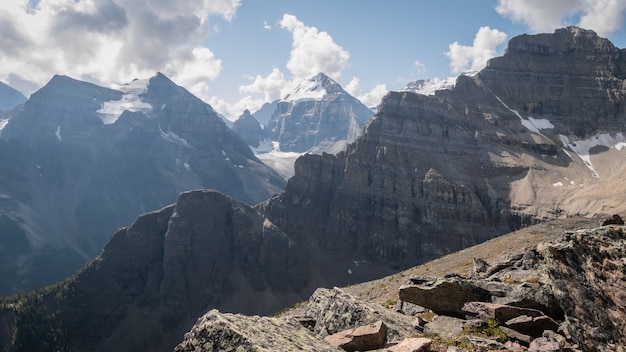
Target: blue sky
[[236, 54]]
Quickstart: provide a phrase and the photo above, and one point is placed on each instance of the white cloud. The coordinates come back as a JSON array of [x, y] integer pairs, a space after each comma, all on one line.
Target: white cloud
[[313, 51], [108, 41], [233, 111], [602, 16], [271, 86], [371, 98], [418, 67], [475, 57], [267, 26]]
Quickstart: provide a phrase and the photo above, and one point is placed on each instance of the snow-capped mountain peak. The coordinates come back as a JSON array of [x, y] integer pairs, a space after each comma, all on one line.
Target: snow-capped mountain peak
[[315, 87]]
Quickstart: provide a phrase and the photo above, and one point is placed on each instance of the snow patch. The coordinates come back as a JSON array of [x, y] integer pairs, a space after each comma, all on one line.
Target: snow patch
[[58, 133], [3, 123], [110, 111], [349, 271], [187, 166], [532, 124], [430, 86], [173, 137], [310, 89], [282, 162], [583, 146], [558, 184]]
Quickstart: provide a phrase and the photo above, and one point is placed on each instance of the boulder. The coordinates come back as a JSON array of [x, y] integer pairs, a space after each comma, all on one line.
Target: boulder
[[516, 336], [444, 296], [412, 344], [362, 338], [614, 220], [444, 326], [335, 310], [532, 326], [217, 331], [545, 344]]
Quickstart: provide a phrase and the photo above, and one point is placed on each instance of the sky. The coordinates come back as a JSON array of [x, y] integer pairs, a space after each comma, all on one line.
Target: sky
[[238, 54]]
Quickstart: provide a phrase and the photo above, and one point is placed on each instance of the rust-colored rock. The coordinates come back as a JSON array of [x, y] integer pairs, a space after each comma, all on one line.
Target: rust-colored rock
[[362, 338], [412, 344]]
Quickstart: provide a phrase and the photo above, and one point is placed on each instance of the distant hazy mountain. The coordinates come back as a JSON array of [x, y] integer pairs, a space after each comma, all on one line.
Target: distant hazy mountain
[[249, 129], [264, 114], [81, 160], [9, 97]]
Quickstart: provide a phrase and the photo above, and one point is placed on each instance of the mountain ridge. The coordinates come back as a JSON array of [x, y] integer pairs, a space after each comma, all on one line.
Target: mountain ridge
[[99, 157], [429, 176]]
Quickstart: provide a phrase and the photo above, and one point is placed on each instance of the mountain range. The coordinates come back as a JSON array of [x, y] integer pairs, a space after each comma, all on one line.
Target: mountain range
[[81, 160], [536, 135]]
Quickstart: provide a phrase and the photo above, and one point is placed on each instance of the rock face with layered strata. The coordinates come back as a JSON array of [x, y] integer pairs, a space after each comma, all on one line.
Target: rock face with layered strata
[[434, 174]]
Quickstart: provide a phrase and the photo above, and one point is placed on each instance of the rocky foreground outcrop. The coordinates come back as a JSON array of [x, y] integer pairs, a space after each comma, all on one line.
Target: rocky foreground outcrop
[[577, 281]]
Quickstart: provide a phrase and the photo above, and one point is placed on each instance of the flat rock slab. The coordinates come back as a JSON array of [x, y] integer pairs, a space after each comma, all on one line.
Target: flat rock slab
[[532, 326], [444, 296], [500, 312], [446, 327], [412, 344], [363, 338]]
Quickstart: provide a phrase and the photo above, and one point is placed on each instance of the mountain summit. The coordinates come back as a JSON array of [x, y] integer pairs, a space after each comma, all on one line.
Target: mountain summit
[[317, 116], [85, 160]]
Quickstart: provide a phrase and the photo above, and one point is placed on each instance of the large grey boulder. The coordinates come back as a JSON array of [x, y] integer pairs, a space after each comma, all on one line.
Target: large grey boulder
[[217, 331]]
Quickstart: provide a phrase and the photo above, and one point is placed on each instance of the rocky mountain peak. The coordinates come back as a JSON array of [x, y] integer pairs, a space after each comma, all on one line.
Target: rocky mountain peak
[[317, 116], [249, 129], [564, 41], [9, 97], [315, 87]]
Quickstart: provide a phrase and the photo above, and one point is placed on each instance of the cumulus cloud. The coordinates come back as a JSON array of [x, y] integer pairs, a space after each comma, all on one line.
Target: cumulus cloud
[[602, 16], [233, 111], [271, 86], [313, 51], [473, 58], [371, 98], [108, 41]]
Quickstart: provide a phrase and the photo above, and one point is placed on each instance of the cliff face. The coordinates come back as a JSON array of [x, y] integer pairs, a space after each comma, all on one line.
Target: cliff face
[[434, 174], [155, 277]]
